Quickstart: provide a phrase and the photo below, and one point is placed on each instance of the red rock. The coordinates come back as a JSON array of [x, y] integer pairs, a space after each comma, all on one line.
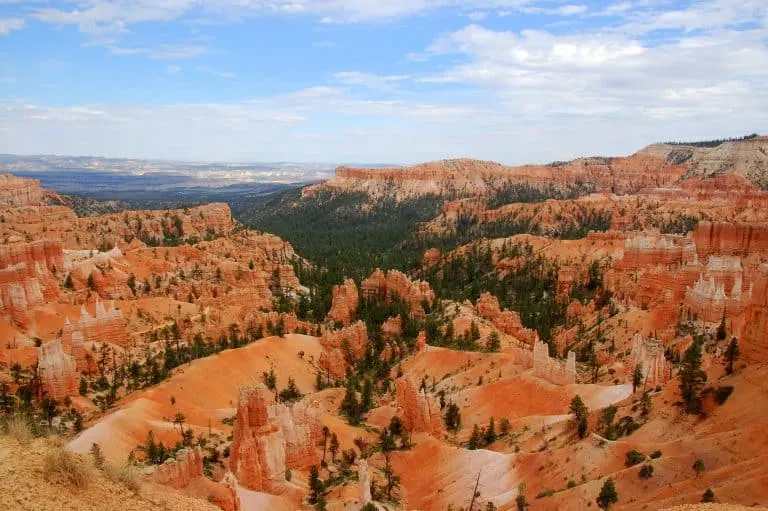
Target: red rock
[[185, 472], [730, 239], [395, 284], [418, 412], [15, 191], [431, 257], [343, 348], [649, 354], [392, 328], [267, 438], [755, 336], [506, 321], [57, 370], [107, 325], [345, 303], [421, 341]]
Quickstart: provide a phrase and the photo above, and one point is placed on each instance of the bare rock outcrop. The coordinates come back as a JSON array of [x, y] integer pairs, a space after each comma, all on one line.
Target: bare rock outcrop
[[267, 438], [551, 369], [506, 321], [17, 192], [185, 472], [57, 370], [416, 410], [649, 355], [345, 303], [730, 239], [395, 284], [106, 325], [343, 348]]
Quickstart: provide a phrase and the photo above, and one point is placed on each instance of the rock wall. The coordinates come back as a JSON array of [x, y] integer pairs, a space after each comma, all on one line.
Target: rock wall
[[345, 303], [106, 325], [185, 473], [551, 369], [506, 321], [730, 239], [57, 370], [416, 410], [755, 335], [267, 438], [343, 348], [649, 354], [16, 191], [395, 284]]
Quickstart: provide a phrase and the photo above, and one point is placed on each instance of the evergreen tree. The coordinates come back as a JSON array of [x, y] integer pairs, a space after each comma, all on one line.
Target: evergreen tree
[[731, 354], [607, 495], [581, 415], [637, 377], [366, 397], [452, 417], [316, 485], [698, 467], [708, 497], [494, 342], [522, 503], [692, 378], [474, 439], [490, 435], [291, 393], [721, 330], [350, 405]]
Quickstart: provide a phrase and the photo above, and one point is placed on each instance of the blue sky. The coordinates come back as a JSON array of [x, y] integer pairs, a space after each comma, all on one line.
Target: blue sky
[[375, 81]]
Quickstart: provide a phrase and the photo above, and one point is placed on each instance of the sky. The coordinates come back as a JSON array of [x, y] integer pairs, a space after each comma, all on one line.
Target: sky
[[395, 81]]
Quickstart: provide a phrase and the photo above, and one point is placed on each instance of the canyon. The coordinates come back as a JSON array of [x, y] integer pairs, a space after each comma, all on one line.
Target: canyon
[[531, 344]]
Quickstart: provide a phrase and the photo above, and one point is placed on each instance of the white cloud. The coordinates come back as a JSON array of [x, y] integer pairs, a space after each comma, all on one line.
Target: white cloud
[[169, 52], [8, 25], [172, 70], [369, 80]]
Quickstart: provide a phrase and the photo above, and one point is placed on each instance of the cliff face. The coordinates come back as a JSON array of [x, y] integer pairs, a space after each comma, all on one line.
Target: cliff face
[[730, 239], [57, 370], [649, 355], [268, 438], [417, 412], [756, 319], [395, 284], [16, 192], [185, 472], [345, 303], [551, 369], [507, 321], [106, 325], [343, 348], [473, 177]]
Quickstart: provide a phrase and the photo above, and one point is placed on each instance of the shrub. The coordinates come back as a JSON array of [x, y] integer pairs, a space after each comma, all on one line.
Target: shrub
[[655, 455], [548, 492], [127, 475], [61, 466], [646, 472], [634, 457], [19, 428]]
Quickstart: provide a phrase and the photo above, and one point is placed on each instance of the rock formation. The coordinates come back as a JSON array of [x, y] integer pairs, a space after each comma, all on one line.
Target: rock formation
[[392, 328], [17, 192], [268, 438], [506, 321], [343, 348], [551, 369], [364, 482], [185, 472], [649, 354], [394, 284], [57, 370], [106, 325], [730, 239], [755, 335], [416, 410], [345, 303]]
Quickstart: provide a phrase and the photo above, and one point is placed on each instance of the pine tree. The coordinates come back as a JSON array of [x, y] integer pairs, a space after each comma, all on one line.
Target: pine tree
[[581, 415], [708, 497], [607, 495], [452, 417], [692, 378], [637, 377], [731, 354], [490, 435], [474, 439]]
